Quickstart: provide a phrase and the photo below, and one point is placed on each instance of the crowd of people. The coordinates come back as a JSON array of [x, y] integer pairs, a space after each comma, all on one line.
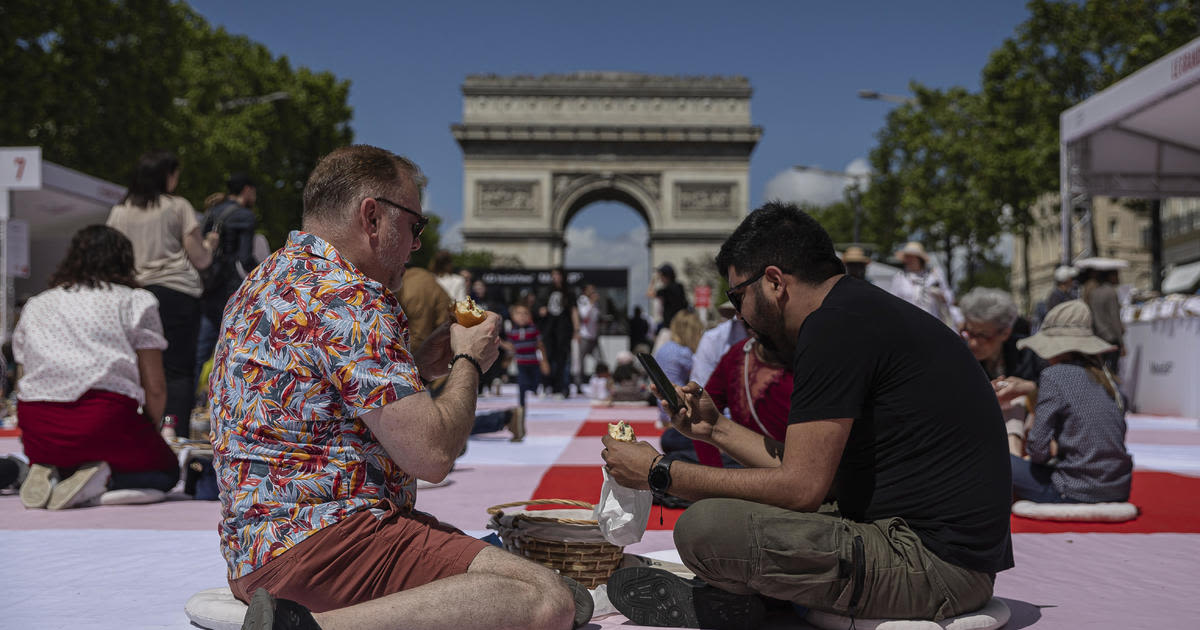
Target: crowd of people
[[819, 455]]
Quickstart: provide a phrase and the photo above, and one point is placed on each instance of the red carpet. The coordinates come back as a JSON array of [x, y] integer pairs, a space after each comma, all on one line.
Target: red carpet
[[1168, 502]]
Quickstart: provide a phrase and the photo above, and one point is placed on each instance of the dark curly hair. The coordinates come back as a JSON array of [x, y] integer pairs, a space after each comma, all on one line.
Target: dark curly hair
[[98, 254], [781, 234]]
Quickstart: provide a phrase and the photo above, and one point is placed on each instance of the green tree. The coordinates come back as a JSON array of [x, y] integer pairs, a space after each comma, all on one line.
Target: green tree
[[926, 166], [1062, 54], [96, 83]]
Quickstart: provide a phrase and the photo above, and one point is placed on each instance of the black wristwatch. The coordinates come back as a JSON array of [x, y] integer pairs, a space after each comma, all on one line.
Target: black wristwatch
[[660, 476]]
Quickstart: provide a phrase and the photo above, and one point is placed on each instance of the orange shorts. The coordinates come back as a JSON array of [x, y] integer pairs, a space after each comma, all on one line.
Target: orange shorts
[[362, 558]]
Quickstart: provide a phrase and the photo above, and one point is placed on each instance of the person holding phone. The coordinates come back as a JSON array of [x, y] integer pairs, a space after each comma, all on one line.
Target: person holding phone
[[924, 486]]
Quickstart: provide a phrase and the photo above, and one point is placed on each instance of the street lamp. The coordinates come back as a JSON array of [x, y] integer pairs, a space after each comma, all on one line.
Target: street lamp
[[872, 95], [857, 180]]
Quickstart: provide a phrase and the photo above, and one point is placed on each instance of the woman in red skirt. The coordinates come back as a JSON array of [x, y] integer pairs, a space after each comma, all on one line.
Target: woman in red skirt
[[92, 386]]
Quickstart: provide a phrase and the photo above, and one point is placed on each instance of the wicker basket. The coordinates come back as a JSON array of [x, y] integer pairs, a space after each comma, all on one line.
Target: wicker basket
[[572, 546]]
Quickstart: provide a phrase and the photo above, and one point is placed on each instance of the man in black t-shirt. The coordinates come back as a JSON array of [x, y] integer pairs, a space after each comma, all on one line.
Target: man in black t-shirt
[[887, 399], [669, 293]]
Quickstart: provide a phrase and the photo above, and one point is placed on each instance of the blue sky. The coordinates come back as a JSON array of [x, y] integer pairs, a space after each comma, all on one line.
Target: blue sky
[[805, 60]]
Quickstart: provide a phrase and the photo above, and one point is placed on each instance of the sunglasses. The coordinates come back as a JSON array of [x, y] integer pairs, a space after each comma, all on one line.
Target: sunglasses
[[735, 294], [972, 334], [417, 227]]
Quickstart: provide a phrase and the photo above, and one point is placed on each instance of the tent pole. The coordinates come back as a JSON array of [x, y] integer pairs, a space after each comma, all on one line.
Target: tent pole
[[1064, 193]]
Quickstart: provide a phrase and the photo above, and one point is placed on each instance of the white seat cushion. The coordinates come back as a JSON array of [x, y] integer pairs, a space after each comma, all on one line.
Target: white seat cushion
[[1089, 512], [132, 496], [993, 615], [216, 609]]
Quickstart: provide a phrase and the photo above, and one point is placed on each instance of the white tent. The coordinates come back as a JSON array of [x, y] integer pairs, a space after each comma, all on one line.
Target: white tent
[[39, 225], [1139, 138]]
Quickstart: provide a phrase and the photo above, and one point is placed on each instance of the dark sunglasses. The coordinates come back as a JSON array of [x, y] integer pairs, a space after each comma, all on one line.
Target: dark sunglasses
[[417, 227], [735, 294]]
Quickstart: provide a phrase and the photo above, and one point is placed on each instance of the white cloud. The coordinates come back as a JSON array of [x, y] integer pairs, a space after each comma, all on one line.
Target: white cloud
[[451, 237], [586, 248], [816, 186]]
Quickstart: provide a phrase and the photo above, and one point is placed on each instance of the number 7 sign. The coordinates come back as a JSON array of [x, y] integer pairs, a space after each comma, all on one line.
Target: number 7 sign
[[21, 168]]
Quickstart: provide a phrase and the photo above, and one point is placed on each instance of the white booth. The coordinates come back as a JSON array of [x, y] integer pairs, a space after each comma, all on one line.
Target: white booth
[[42, 205]]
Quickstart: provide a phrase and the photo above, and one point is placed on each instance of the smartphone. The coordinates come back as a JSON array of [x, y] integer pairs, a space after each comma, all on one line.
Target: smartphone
[[666, 389]]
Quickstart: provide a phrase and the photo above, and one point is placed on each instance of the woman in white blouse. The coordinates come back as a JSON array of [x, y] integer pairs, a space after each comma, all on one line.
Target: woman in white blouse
[[168, 249], [90, 349]]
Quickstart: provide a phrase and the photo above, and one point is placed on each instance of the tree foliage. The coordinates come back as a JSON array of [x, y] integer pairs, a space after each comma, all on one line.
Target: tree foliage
[[955, 168], [96, 83]]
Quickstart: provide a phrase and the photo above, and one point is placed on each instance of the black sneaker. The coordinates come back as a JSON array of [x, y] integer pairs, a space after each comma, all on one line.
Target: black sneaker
[[268, 613], [653, 597], [584, 605]]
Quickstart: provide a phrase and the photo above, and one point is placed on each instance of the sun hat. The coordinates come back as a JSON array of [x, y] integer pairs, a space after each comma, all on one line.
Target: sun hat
[[855, 254], [1064, 273], [1102, 264], [1067, 328], [726, 309], [913, 248]]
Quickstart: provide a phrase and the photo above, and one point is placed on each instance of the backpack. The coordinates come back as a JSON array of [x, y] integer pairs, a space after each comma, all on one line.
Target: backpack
[[214, 276]]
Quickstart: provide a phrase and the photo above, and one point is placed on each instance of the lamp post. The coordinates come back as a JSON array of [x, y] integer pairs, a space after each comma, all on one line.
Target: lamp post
[[857, 180], [872, 95]]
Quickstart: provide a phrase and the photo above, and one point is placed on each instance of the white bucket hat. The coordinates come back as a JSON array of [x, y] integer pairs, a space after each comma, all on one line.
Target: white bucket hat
[[1067, 328]]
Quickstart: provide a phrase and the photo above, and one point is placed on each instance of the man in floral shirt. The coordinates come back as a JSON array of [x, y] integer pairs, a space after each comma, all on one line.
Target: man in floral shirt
[[324, 424]]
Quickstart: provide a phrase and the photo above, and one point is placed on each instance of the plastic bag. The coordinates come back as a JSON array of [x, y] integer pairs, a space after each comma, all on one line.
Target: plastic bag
[[622, 512]]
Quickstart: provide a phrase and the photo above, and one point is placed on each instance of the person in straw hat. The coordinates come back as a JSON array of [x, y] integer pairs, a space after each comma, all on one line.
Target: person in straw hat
[[856, 261], [1076, 447], [923, 285]]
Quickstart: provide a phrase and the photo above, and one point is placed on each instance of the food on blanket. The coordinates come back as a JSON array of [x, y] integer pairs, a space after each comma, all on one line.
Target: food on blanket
[[621, 431], [468, 313]]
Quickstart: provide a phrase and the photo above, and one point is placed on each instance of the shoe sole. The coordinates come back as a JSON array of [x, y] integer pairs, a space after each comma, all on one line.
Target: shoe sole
[[89, 482], [261, 613], [35, 491], [653, 597], [584, 604]]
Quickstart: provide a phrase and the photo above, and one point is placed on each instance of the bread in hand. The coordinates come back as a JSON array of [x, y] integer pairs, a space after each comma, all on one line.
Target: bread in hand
[[468, 314], [621, 431]]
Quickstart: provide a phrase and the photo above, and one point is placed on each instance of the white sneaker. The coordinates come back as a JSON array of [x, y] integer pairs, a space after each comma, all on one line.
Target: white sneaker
[[88, 483], [38, 484], [132, 496]]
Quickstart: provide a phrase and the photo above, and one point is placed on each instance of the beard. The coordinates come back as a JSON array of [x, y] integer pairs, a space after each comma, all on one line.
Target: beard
[[769, 329]]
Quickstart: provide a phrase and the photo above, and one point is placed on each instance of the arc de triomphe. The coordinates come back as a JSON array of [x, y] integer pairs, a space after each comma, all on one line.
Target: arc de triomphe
[[537, 150]]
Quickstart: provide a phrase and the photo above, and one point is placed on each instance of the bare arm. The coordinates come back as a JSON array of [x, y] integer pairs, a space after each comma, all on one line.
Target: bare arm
[[199, 250], [800, 482], [424, 435], [150, 373]]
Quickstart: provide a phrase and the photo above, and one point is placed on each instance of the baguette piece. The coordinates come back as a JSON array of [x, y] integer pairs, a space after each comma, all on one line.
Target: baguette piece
[[468, 314], [621, 431]]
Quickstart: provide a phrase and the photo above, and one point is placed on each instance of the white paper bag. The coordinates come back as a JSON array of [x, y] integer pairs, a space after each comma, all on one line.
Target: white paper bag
[[622, 512]]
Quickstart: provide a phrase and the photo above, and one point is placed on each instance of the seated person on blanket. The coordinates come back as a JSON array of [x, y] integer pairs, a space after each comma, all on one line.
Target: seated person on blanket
[[989, 318], [324, 424], [1077, 444], [756, 387], [93, 389], [886, 397]]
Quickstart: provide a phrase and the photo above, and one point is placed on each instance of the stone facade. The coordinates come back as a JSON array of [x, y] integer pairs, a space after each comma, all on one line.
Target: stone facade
[[537, 150], [1119, 234]]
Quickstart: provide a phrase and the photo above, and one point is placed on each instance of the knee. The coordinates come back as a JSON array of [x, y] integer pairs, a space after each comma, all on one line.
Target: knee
[[711, 528], [555, 608]]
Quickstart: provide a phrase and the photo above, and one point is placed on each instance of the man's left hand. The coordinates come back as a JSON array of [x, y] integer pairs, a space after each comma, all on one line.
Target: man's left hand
[[628, 464], [434, 355]]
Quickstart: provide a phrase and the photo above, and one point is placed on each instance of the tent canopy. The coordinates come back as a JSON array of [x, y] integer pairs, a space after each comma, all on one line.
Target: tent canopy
[[1140, 137]]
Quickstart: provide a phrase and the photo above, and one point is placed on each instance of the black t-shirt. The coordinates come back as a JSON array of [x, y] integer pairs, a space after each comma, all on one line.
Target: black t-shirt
[[673, 301], [928, 441]]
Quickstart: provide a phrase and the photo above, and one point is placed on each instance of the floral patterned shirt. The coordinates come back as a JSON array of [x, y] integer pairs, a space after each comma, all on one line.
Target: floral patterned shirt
[[308, 345]]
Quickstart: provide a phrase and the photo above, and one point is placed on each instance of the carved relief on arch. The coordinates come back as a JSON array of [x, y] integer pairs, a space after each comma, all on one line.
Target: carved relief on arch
[[643, 191]]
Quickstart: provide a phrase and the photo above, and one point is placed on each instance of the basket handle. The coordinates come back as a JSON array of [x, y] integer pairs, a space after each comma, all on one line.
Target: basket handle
[[584, 504], [496, 509]]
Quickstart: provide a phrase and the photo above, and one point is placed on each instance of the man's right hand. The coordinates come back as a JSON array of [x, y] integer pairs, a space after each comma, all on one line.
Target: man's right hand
[[698, 415], [481, 341]]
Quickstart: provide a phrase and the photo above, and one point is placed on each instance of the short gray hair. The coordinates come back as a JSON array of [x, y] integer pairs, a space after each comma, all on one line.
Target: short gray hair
[[991, 306], [346, 174]]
